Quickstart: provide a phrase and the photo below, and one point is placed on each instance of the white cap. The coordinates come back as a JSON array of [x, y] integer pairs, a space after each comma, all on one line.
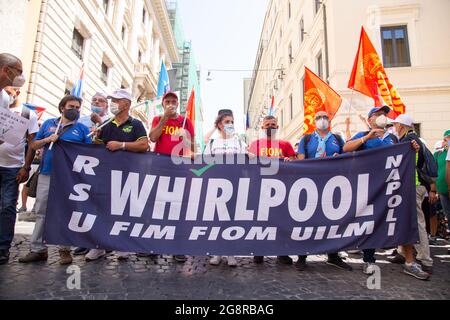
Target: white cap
[[121, 94], [405, 119]]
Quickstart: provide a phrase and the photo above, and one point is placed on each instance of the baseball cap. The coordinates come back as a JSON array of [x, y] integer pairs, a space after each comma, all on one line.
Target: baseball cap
[[121, 94], [386, 109], [447, 133], [170, 94], [405, 120]]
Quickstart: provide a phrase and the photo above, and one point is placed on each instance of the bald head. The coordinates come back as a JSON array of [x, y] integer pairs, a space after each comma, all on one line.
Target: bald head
[[10, 71]]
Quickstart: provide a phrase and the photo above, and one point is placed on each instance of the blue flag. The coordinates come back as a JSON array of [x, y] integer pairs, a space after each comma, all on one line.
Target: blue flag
[[77, 91], [163, 84]]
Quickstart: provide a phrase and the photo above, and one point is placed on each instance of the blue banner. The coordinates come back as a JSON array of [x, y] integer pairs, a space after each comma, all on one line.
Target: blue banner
[[147, 203]]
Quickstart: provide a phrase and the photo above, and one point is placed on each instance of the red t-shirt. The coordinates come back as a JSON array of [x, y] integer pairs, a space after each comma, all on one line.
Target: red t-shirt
[[272, 148], [166, 143]]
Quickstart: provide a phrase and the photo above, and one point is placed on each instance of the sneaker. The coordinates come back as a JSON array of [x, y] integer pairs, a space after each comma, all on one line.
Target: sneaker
[[23, 209], [369, 268], [31, 217], [354, 252], [94, 254], [4, 256], [398, 259], [258, 259], [427, 269], [337, 262], [34, 257], [284, 260], [300, 265], [416, 271], [122, 255], [23, 215], [80, 251], [65, 257], [215, 260], [432, 241], [232, 262], [180, 258]]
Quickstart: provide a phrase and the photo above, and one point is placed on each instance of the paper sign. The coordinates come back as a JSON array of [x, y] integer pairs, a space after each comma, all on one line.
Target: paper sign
[[12, 127]]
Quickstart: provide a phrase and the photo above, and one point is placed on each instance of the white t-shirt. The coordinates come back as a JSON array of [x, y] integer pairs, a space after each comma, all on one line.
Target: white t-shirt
[[86, 120], [4, 99], [225, 146], [13, 156]]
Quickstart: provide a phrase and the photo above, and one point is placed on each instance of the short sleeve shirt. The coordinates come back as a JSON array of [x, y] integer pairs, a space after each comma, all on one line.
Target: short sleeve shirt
[[169, 138], [272, 148], [76, 133], [374, 143], [130, 131], [332, 146]]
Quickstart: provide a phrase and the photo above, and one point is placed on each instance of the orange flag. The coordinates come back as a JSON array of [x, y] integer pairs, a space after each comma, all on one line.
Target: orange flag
[[319, 96], [190, 109], [369, 78]]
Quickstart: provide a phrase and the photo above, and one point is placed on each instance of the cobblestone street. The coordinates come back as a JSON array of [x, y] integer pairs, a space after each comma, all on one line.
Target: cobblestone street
[[163, 278]]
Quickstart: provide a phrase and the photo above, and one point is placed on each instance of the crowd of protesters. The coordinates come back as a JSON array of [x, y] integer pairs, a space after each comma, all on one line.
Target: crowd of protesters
[[125, 133]]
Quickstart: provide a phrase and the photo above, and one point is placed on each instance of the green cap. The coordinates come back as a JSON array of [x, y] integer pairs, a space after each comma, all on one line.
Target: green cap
[[447, 133]]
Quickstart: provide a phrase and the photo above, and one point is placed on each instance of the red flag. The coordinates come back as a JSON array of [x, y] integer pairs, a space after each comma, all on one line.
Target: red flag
[[369, 78], [190, 109], [319, 96]]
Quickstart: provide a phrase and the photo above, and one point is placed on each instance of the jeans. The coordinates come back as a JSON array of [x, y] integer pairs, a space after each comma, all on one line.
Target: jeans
[[445, 202], [37, 244], [9, 192]]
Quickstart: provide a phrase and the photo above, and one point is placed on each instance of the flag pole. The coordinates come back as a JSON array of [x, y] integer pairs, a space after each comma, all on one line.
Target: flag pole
[[57, 129]]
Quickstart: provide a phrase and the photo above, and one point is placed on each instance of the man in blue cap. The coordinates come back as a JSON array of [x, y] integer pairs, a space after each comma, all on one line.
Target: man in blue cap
[[375, 138]]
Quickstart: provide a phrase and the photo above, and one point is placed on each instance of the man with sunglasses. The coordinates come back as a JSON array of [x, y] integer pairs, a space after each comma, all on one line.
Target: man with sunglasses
[[99, 108], [321, 144]]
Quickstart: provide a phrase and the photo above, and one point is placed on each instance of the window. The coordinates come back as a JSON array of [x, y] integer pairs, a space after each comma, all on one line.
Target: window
[[104, 73], [66, 92], [124, 33], [289, 10], [302, 91], [140, 56], [417, 128], [281, 33], [291, 107], [77, 43], [106, 5], [317, 6], [282, 119], [144, 15], [291, 57], [302, 31], [319, 65], [395, 47]]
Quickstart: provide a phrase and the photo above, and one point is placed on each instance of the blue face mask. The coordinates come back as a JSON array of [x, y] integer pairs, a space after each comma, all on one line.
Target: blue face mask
[[96, 110]]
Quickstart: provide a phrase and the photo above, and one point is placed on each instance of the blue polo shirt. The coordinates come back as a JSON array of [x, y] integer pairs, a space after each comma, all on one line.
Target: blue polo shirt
[[77, 133], [387, 140], [332, 146]]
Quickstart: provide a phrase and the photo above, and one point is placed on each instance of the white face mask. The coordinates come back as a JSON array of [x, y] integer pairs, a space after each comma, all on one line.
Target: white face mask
[[381, 121], [115, 109], [229, 129], [322, 124]]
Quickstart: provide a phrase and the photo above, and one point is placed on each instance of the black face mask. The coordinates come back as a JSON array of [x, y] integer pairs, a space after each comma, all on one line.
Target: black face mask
[[71, 114], [271, 131]]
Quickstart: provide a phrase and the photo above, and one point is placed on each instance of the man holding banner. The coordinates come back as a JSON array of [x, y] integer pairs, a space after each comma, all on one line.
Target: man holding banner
[[321, 144], [14, 170], [271, 147], [65, 128]]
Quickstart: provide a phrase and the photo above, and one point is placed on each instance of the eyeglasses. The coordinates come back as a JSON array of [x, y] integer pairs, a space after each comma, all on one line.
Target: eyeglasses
[[20, 71], [322, 117]]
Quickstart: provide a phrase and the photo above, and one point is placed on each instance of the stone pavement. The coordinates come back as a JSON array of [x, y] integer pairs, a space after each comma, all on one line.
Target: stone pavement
[[163, 278]]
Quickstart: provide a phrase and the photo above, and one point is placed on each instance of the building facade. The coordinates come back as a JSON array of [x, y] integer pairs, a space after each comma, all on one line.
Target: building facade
[[118, 43], [411, 37]]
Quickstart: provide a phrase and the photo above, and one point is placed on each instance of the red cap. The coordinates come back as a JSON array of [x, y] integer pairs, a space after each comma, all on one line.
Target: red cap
[[170, 94]]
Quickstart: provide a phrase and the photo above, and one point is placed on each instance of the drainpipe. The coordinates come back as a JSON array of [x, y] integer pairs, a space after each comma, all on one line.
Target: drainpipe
[[37, 50], [327, 57]]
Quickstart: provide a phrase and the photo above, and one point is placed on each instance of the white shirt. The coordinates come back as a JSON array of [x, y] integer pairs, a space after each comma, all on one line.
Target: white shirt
[[4, 99], [86, 120], [226, 146], [13, 156]]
